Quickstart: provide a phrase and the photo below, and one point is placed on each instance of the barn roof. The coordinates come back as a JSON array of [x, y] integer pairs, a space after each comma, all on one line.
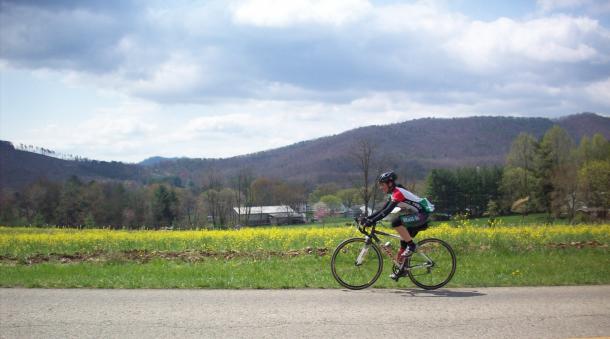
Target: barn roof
[[281, 209]]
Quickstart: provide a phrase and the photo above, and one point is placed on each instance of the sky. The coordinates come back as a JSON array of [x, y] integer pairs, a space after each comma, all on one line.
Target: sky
[[126, 80]]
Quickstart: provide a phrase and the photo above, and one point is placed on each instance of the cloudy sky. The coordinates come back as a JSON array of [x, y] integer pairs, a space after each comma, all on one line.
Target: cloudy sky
[[120, 80]]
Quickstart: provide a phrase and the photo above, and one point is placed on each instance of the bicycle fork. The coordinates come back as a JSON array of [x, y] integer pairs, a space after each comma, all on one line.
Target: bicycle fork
[[363, 251]]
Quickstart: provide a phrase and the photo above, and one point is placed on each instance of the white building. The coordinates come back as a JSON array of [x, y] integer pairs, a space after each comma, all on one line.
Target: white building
[[269, 215]]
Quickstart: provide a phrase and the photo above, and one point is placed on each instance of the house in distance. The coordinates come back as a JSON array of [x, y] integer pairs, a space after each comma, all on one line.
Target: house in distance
[[268, 215]]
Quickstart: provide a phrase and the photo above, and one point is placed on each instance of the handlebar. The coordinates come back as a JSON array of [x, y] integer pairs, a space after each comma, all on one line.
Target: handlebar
[[362, 229]]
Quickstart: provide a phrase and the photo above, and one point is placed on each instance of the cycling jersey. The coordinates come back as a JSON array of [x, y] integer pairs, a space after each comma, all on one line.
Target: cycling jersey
[[402, 198]]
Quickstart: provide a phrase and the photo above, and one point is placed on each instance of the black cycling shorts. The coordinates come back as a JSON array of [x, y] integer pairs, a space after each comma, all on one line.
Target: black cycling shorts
[[413, 222]]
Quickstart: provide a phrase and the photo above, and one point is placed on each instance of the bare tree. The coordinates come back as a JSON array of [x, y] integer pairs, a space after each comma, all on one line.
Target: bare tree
[[376, 194], [242, 185], [362, 154]]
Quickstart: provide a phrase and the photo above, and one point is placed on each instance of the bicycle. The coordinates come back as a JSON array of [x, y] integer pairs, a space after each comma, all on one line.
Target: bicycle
[[357, 262]]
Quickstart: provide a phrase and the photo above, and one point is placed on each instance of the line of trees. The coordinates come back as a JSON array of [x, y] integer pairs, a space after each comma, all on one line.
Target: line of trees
[[157, 205], [49, 152], [551, 175], [556, 176], [464, 190]]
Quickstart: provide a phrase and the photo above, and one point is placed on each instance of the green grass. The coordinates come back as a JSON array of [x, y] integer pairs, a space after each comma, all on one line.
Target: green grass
[[261, 258], [517, 220], [505, 220], [487, 268]]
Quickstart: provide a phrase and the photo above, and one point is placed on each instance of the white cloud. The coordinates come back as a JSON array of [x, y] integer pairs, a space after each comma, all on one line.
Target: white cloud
[[278, 13], [594, 7], [211, 80], [176, 75], [420, 17], [553, 39], [109, 133], [549, 5], [599, 91]]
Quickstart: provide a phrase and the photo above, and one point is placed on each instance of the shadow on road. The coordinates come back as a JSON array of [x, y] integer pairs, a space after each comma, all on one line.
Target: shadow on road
[[416, 292], [443, 293]]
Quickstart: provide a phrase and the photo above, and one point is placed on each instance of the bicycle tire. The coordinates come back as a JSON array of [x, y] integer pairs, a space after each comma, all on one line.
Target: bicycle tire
[[422, 246], [341, 280]]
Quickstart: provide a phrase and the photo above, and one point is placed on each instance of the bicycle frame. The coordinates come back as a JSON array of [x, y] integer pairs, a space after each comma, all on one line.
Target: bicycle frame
[[372, 236]]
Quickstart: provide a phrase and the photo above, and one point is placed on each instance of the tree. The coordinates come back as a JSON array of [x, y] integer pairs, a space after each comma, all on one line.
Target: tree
[[523, 152], [442, 190], [523, 155], [349, 197], [164, 206], [44, 196], [515, 187], [93, 201], [290, 195], [244, 196], [466, 189], [188, 208], [70, 210], [225, 207], [555, 152], [219, 205], [8, 213], [322, 190], [594, 183], [556, 145], [210, 198], [584, 150], [114, 200], [262, 191], [565, 189], [600, 148], [332, 202], [362, 153]]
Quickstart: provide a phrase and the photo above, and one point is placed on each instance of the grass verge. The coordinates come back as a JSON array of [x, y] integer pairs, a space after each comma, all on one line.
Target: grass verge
[[561, 266]]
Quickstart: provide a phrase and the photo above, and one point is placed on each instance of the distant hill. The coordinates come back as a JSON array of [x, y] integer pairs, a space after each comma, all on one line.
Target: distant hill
[[18, 168], [411, 148], [155, 160]]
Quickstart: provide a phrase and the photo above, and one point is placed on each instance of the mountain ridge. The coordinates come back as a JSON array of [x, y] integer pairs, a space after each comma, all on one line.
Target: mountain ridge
[[412, 148]]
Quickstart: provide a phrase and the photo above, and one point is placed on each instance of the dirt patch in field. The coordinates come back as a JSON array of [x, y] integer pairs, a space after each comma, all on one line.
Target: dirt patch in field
[[148, 255], [578, 244]]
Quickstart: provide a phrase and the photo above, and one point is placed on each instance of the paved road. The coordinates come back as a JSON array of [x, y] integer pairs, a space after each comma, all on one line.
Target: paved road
[[538, 312]]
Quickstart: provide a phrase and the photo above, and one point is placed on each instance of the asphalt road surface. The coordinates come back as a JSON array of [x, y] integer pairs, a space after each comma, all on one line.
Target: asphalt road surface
[[530, 312]]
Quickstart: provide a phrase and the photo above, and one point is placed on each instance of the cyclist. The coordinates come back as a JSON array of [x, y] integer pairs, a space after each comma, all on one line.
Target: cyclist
[[413, 214]]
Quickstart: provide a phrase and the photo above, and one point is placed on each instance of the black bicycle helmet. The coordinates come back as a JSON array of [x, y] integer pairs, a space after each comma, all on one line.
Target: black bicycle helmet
[[387, 177]]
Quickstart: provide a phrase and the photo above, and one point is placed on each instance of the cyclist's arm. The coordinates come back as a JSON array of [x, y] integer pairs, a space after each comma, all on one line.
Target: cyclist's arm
[[374, 214], [382, 213]]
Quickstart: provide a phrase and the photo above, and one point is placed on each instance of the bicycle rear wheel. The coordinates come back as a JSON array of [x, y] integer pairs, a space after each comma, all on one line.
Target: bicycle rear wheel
[[433, 264], [356, 265]]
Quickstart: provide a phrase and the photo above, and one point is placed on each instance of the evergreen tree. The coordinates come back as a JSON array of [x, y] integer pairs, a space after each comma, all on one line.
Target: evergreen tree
[[555, 153], [164, 206]]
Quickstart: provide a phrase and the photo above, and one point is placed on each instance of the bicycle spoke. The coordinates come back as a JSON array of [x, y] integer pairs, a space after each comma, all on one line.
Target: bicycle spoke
[[433, 264], [354, 266]]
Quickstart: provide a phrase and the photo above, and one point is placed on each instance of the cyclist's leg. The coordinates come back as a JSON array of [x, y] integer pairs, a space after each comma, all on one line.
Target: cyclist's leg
[[397, 223], [406, 241], [414, 221]]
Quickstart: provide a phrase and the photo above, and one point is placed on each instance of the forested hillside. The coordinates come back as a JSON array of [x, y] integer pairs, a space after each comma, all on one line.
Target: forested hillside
[[555, 173], [412, 148]]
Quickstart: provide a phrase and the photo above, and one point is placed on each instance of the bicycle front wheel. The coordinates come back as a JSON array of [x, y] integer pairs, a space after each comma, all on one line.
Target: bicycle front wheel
[[433, 264], [355, 264]]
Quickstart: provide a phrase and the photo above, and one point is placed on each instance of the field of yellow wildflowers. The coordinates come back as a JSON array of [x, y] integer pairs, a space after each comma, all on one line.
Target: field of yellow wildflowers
[[22, 241], [287, 257]]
